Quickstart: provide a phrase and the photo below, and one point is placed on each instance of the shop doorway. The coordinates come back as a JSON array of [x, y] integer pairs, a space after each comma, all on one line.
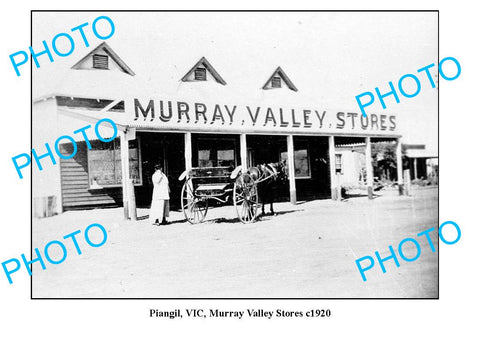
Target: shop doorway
[[167, 149], [312, 171]]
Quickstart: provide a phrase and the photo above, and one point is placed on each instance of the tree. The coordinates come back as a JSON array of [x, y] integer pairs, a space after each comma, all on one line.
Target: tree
[[384, 160]]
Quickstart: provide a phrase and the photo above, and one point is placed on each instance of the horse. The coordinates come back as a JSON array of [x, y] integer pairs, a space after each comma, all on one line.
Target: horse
[[267, 176]]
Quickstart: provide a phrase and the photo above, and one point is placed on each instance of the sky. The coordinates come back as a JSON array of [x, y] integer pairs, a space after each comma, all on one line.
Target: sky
[[330, 56]]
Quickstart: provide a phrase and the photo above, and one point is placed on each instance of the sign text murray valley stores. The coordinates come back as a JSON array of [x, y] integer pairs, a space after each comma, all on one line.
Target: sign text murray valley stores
[[159, 113]]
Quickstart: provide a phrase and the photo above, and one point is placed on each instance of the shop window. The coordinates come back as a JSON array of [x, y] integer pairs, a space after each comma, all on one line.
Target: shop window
[[204, 159], [216, 152], [105, 164], [338, 163], [301, 161], [200, 73], [276, 82], [100, 61]]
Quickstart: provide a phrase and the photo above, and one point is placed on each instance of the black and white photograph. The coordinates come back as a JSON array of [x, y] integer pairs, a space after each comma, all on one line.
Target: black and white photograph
[[255, 170], [220, 154]]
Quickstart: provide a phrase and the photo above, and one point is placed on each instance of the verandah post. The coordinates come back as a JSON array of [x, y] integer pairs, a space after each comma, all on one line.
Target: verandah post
[[333, 177], [125, 172], [369, 167], [188, 150], [400, 168], [243, 151], [291, 169]]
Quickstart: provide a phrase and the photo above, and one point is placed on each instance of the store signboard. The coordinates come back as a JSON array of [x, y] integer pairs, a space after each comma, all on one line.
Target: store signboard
[[234, 117]]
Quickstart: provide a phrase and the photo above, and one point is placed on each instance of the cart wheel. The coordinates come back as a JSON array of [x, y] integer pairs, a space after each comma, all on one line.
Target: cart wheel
[[194, 208], [245, 198]]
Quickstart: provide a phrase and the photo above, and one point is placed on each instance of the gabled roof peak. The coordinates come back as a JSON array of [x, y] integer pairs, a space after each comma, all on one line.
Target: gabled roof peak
[[273, 82], [105, 50], [203, 64]]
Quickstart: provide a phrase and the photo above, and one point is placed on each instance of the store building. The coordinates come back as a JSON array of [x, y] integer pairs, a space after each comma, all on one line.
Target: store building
[[202, 123]]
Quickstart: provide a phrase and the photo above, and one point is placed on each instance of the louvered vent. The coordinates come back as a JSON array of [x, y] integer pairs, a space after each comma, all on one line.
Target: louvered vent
[[100, 61]]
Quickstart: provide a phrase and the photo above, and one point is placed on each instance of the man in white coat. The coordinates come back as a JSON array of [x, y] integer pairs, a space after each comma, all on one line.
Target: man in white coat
[[160, 208]]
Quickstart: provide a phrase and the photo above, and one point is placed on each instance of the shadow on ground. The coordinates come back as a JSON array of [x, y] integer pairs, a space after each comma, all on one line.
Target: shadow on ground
[[347, 196]]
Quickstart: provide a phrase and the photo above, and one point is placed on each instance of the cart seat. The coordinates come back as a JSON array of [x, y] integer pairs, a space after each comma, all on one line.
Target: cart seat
[[211, 188]]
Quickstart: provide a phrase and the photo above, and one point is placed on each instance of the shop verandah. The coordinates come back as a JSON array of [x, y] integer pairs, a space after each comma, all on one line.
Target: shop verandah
[[313, 155], [314, 163]]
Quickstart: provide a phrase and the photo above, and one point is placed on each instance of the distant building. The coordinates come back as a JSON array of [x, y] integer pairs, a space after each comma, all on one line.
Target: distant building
[[423, 163]]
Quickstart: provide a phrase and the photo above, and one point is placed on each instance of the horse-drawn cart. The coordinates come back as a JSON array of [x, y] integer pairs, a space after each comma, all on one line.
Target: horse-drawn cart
[[224, 186]]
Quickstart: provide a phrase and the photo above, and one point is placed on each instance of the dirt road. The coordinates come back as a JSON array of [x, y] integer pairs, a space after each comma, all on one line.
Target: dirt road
[[308, 250]]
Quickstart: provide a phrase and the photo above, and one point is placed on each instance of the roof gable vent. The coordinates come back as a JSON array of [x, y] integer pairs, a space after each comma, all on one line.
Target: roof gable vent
[[203, 71], [100, 61], [103, 58], [278, 80]]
